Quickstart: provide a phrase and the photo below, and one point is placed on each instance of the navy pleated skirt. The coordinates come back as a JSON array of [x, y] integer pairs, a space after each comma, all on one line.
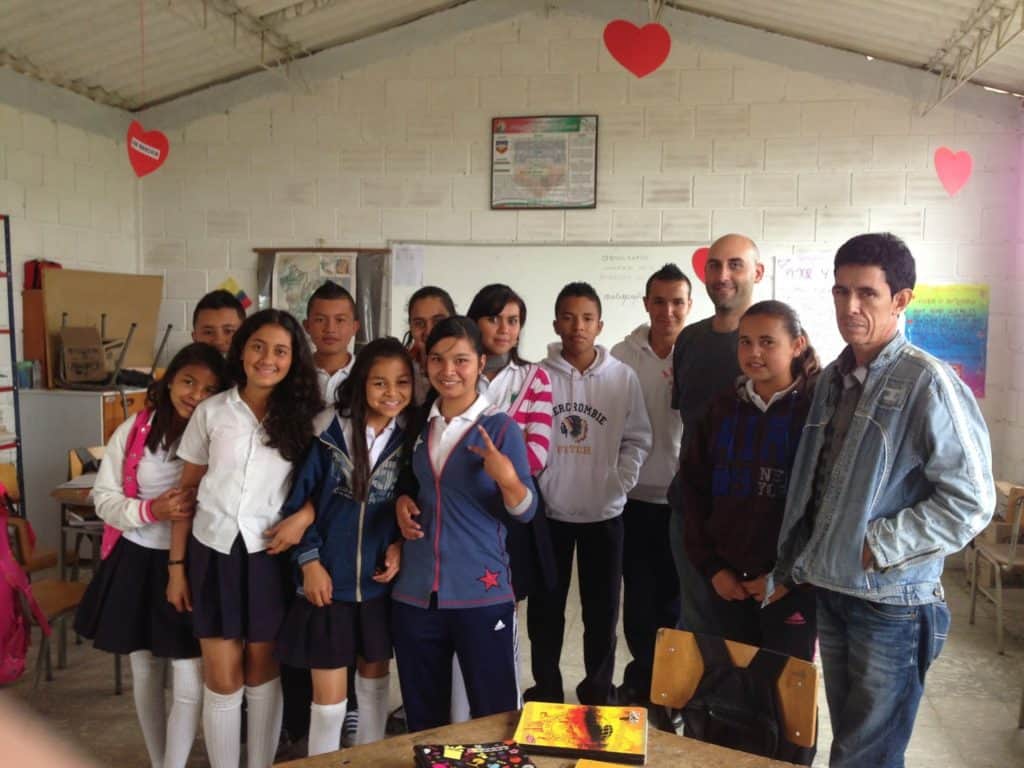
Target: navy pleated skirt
[[125, 606]]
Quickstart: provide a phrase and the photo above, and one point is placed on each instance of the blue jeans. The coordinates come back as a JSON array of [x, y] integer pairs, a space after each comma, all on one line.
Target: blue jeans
[[875, 657]]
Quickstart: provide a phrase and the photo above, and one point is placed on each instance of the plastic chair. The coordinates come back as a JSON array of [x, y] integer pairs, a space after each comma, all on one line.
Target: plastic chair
[[1004, 557]]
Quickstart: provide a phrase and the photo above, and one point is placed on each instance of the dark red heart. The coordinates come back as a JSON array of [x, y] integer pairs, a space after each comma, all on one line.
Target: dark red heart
[[700, 261], [147, 150], [641, 50]]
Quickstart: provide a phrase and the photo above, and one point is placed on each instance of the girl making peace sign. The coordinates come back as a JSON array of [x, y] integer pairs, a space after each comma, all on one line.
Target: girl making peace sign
[[454, 591]]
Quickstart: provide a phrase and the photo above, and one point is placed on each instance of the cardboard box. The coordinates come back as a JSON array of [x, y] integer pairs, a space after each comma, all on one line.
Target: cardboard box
[[84, 360]]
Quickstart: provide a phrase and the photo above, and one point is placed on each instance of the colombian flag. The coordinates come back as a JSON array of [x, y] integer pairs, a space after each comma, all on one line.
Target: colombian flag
[[234, 288]]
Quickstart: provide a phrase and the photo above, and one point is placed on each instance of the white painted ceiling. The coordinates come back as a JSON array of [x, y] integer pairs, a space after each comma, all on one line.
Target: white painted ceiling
[[94, 47]]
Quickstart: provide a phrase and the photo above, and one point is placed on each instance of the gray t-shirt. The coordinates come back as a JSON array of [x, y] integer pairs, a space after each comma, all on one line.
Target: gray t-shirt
[[703, 365]]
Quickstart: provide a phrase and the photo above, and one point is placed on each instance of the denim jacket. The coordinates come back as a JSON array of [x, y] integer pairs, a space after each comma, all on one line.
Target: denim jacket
[[913, 479]]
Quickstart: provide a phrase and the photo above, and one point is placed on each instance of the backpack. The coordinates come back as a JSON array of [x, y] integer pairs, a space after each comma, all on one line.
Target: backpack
[[737, 707], [16, 601]]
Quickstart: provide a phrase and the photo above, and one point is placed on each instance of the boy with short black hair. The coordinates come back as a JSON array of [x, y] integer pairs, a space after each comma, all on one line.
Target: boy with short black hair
[[601, 437], [650, 597], [331, 324], [216, 318]]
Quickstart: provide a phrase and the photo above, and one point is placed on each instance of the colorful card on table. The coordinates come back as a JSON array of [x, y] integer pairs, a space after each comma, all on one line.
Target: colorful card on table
[[497, 754], [618, 734]]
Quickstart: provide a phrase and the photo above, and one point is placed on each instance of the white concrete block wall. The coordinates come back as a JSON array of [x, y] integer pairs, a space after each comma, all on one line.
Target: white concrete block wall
[[713, 142], [71, 196]]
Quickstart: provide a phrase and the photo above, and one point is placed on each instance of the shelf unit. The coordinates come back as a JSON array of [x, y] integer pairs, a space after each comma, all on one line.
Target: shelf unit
[[11, 441]]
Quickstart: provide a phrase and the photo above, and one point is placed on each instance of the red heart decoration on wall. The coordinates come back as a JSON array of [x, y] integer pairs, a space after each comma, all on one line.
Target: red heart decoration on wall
[[147, 150], [700, 261], [953, 168], [641, 50]]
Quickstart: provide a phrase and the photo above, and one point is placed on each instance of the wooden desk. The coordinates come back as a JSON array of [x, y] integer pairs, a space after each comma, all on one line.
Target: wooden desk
[[664, 750]]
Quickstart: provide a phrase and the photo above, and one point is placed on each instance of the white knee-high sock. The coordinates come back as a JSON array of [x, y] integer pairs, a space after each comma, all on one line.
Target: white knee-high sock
[[265, 709], [148, 689], [325, 727], [186, 706], [372, 693], [222, 725], [460, 700]]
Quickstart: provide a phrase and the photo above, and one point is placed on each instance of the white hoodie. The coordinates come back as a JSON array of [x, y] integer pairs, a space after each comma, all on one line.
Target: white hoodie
[[599, 439], [655, 375]]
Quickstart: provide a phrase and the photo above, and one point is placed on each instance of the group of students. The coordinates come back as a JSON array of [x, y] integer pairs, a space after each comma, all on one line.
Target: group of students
[[420, 489]]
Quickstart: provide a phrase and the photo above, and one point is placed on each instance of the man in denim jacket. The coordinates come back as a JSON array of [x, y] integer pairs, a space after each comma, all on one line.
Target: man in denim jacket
[[892, 475]]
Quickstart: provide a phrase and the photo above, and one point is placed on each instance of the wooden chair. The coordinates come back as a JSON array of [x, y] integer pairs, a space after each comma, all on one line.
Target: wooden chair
[[76, 467], [678, 668], [57, 599], [1004, 557]]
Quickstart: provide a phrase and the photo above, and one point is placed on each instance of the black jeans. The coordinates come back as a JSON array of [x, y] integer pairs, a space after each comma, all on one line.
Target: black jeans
[[650, 589], [598, 548]]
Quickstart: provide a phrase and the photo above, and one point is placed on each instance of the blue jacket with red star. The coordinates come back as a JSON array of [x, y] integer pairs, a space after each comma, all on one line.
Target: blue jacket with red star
[[462, 555]]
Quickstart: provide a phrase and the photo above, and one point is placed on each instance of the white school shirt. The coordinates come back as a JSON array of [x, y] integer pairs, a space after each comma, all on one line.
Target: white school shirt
[[158, 472], [445, 434], [329, 382], [375, 443], [246, 481]]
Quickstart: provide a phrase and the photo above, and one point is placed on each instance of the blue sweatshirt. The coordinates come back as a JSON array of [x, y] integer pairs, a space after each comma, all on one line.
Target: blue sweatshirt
[[462, 555], [349, 537]]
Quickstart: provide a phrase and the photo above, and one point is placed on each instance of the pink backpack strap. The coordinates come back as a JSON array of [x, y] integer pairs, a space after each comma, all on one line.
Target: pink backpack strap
[[135, 449], [14, 575]]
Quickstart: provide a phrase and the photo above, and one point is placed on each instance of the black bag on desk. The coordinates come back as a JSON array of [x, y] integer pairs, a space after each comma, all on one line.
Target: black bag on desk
[[737, 707]]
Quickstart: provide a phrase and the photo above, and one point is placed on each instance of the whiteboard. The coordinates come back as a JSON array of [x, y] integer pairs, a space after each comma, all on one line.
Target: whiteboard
[[537, 273]]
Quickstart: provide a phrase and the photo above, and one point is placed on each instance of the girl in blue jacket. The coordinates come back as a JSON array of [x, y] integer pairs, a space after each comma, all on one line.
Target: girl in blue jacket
[[454, 592], [351, 551]]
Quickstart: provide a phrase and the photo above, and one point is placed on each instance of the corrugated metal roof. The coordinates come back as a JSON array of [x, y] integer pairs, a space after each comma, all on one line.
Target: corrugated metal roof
[[95, 47]]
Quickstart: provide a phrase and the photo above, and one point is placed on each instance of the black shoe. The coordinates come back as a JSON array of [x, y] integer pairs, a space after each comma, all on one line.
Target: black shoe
[[628, 696], [536, 693], [396, 723]]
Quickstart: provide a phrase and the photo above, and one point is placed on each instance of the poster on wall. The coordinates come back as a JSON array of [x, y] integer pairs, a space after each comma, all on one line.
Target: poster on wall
[[544, 162], [297, 275], [951, 322], [804, 281]]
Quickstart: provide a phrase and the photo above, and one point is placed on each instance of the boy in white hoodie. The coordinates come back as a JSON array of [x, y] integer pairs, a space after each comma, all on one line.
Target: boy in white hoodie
[[600, 439], [650, 586]]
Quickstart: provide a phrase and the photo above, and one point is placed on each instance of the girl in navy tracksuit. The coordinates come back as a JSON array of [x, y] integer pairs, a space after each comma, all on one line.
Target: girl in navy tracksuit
[[351, 552], [454, 592], [734, 480]]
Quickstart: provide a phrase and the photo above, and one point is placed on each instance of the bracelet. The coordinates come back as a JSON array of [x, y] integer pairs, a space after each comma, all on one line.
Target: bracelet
[[175, 562]]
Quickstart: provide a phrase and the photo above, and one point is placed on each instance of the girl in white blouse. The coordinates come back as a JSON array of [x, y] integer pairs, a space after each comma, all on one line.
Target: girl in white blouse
[[240, 450], [124, 610]]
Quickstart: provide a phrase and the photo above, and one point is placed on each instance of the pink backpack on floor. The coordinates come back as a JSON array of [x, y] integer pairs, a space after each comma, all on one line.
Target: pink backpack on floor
[[15, 623]]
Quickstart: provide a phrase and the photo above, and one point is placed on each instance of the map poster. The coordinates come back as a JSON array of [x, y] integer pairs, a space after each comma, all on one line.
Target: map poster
[[297, 275], [544, 162], [951, 322]]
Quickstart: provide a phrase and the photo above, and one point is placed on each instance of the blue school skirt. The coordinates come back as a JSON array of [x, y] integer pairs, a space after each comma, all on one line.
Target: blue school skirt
[[125, 606], [333, 636], [235, 596]]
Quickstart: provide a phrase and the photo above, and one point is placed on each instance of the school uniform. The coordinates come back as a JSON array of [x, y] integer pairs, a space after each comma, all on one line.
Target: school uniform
[[524, 393], [125, 607], [237, 588], [331, 382], [650, 585], [454, 592], [601, 438], [349, 537]]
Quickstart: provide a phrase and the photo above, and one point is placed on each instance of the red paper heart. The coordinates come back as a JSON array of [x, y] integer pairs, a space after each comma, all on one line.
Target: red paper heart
[[700, 261], [147, 150], [641, 50], [954, 168]]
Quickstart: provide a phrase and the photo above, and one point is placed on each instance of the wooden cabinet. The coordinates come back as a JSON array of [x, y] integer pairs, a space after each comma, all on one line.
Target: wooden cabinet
[[54, 421]]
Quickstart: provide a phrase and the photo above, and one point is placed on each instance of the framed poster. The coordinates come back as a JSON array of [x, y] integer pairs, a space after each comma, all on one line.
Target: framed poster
[[298, 274], [544, 162]]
